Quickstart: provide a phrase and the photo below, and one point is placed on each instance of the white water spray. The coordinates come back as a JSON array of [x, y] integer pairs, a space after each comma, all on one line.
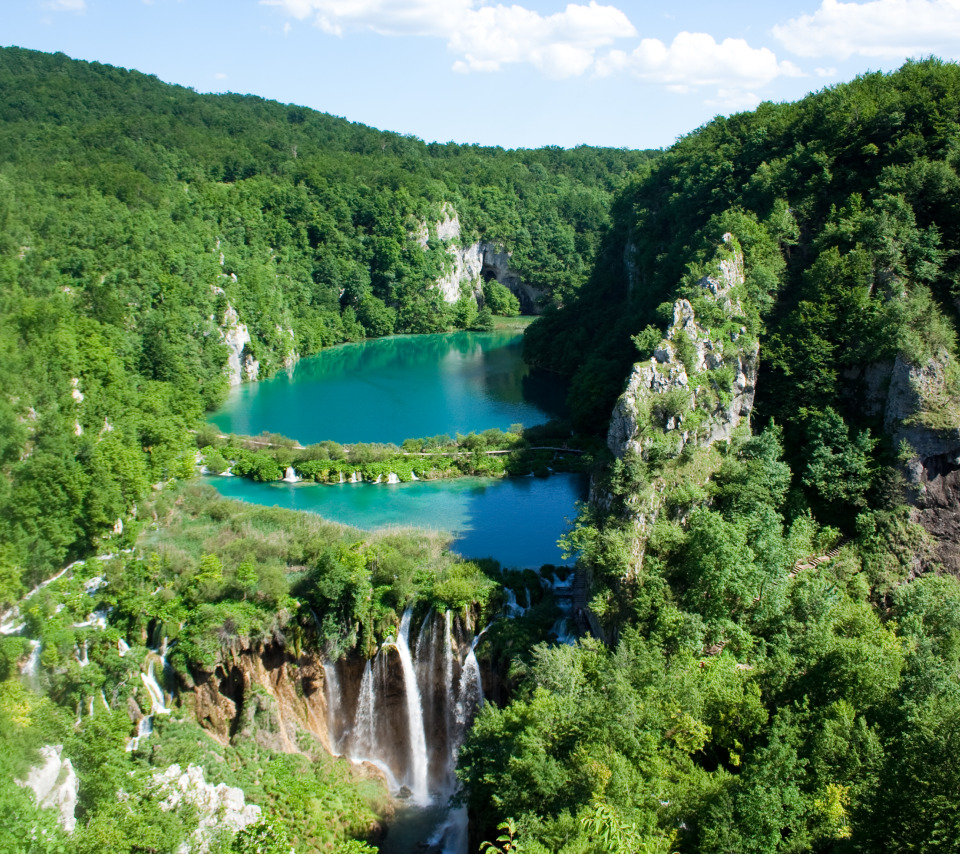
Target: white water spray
[[419, 783]]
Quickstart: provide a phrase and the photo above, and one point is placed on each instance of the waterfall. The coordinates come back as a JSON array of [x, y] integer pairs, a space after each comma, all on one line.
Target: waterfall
[[355, 477], [413, 732], [379, 478], [364, 723], [340, 474], [31, 667], [392, 478], [82, 658], [419, 784], [512, 607], [413, 476], [291, 476], [470, 693], [122, 647], [144, 730], [155, 691], [448, 653], [331, 685]]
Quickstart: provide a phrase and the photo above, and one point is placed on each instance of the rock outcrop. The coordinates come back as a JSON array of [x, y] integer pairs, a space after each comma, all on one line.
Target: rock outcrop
[[266, 693], [696, 389], [476, 263], [922, 418], [55, 785], [219, 807], [694, 370], [241, 365]]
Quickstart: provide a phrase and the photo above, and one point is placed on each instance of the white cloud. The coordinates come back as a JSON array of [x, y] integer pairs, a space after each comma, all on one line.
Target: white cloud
[[484, 37], [891, 29], [733, 100], [66, 5], [220, 75], [693, 60]]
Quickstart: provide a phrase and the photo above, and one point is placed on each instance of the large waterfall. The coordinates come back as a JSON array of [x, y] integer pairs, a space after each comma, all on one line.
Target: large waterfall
[[410, 712]]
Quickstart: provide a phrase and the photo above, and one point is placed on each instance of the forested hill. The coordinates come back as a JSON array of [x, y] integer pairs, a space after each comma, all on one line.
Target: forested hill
[[773, 555], [847, 204], [149, 233]]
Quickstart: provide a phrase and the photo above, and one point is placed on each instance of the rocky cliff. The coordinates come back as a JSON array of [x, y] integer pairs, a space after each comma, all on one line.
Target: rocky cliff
[[699, 383], [921, 414], [478, 262], [267, 693], [696, 389]]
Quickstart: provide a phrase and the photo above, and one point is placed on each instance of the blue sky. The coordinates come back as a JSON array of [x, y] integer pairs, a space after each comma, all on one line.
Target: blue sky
[[622, 73]]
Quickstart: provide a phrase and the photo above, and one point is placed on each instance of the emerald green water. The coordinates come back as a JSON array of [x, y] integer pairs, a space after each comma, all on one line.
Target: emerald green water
[[397, 388], [516, 520], [404, 387]]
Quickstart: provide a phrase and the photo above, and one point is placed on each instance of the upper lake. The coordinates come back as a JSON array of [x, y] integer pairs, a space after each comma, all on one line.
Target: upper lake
[[402, 387]]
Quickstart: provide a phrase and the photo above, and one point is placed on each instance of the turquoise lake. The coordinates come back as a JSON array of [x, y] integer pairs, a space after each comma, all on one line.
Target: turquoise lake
[[402, 387], [391, 389], [516, 520]]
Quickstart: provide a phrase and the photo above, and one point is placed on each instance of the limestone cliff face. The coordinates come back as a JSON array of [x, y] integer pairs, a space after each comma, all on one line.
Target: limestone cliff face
[[241, 365], [922, 417], [266, 693], [475, 263], [55, 784], [693, 370], [696, 389]]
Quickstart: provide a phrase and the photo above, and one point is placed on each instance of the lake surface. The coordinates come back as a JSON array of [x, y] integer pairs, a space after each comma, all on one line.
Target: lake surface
[[515, 520], [402, 387]]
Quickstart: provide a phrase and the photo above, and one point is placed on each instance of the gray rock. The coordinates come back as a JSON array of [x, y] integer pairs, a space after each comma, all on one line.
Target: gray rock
[[665, 372], [55, 785]]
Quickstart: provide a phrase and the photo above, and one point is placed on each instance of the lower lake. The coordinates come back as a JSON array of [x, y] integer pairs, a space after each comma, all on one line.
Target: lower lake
[[516, 520]]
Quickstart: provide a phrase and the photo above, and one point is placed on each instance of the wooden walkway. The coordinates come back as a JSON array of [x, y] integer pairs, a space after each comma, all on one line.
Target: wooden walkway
[[813, 562]]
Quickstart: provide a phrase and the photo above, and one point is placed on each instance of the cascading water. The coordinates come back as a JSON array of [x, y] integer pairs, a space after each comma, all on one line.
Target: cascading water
[[158, 706], [408, 716], [331, 685], [419, 782]]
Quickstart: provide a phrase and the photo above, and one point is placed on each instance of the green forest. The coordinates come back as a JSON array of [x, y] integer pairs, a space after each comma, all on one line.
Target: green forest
[[759, 330]]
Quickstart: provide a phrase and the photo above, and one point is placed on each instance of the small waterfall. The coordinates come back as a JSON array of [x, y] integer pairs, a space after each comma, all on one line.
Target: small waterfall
[[31, 667], [144, 730], [340, 473], [470, 693], [122, 647], [364, 724], [392, 478], [155, 691], [514, 609], [291, 476], [379, 478], [82, 658], [355, 477], [419, 783], [331, 685], [413, 476]]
